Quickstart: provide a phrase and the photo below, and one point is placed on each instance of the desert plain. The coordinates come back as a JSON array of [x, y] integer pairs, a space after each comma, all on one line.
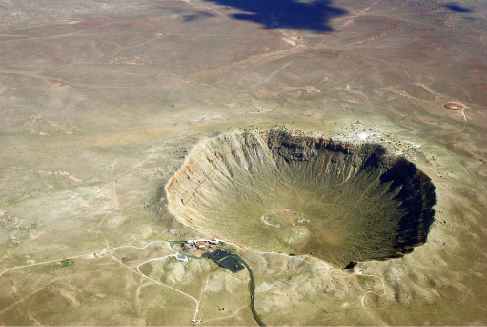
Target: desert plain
[[102, 102]]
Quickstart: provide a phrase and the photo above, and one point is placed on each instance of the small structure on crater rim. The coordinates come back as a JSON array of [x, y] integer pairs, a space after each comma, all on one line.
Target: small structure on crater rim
[[359, 202]]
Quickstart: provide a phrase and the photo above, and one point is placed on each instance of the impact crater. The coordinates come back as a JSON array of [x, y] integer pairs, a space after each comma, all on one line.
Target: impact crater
[[296, 192]]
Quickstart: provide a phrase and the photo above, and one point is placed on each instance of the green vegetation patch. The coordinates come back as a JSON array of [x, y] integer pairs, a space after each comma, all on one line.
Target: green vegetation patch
[[65, 263]]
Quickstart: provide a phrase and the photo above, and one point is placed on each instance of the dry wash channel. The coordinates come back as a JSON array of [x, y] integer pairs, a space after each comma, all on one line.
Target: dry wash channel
[[280, 190]]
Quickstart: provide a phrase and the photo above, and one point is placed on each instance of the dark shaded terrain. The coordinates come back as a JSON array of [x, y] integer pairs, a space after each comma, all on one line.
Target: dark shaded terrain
[[458, 8], [273, 14]]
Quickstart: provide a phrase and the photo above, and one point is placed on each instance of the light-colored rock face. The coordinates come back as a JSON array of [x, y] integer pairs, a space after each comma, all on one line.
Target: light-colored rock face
[[277, 190]]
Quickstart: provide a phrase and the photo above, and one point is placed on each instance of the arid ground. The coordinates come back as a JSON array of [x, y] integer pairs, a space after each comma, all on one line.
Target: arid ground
[[102, 101]]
